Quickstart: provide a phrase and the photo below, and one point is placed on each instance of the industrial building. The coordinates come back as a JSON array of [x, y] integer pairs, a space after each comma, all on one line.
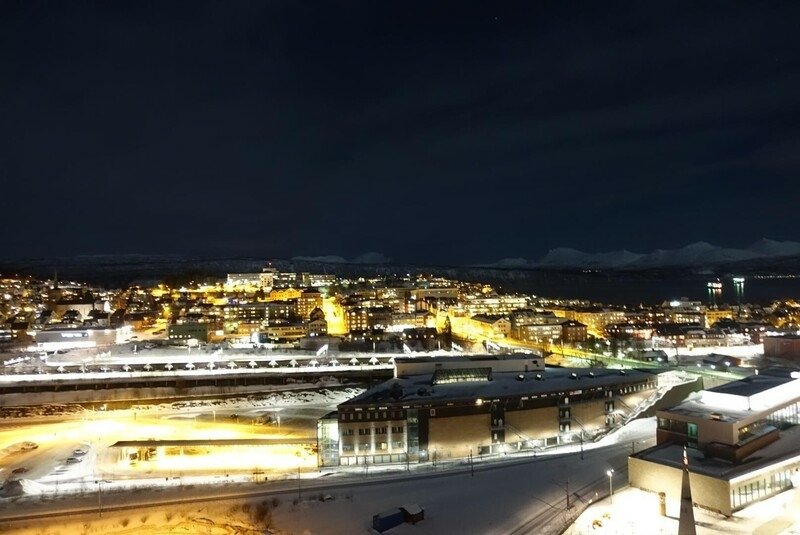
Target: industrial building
[[451, 407], [64, 337]]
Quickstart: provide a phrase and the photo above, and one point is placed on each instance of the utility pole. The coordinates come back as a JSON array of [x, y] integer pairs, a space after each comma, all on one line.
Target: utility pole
[[471, 464], [100, 498], [299, 497]]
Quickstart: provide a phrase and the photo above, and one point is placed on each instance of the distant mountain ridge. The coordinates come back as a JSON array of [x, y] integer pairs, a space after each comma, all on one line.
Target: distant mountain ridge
[[764, 257], [694, 255]]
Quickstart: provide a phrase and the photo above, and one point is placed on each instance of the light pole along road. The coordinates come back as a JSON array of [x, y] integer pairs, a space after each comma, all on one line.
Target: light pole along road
[[520, 495]]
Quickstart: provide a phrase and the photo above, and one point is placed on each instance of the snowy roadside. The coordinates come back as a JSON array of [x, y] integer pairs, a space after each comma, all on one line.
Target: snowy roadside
[[285, 395]]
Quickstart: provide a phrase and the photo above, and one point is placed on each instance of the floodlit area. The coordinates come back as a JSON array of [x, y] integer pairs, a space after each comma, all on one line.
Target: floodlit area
[[201, 458], [54, 458], [504, 494], [565, 489], [253, 438]]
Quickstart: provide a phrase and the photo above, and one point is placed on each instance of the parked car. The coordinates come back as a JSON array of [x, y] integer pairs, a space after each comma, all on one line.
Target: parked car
[[73, 460]]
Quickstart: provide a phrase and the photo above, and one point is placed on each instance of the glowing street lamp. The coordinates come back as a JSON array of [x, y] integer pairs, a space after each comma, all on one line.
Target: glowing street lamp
[[610, 474]]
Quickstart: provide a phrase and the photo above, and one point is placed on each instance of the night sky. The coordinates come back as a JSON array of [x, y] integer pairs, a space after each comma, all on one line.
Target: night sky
[[430, 132]]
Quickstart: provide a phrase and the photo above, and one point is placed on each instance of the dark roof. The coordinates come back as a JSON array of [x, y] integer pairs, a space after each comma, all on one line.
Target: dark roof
[[751, 385], [418, 389], [489, 318]]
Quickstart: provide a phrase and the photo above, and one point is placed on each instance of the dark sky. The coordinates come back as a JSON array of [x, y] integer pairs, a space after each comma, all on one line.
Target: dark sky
[[430, 132]]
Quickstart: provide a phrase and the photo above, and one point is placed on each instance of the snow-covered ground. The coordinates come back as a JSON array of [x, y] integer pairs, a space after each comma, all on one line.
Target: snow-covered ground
[[633, 508], [501, 498], [324, 396], [43, 463], [506, 494]]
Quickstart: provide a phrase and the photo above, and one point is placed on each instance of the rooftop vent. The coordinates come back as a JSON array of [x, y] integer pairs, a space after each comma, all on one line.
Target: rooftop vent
[[396, 391]]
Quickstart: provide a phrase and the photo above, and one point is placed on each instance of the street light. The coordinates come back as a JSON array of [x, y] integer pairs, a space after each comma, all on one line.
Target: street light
[[99, 497], [610, 474], [299, 481]]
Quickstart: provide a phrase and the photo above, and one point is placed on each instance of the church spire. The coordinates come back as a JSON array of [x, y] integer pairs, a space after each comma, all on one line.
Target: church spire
[[686, 525]]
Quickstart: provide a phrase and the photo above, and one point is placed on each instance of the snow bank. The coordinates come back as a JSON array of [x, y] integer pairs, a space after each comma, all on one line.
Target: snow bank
[[21, 487], [323, 396]]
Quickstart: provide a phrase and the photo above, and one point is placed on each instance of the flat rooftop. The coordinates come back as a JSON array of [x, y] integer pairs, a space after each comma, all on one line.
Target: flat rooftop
[[752, 385], [419, 388], [468, 358], [699, 409], [787, 447], [731, 402]]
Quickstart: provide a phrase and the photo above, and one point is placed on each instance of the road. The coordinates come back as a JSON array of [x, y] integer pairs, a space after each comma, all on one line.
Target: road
[[588, 358], [521, 495]]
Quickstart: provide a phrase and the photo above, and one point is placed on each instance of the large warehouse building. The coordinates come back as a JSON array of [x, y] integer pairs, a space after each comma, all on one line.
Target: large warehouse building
[[743, 443], [453, 407]]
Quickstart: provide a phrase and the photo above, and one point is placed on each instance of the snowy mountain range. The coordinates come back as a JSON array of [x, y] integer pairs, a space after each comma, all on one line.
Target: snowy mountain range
[[699, 254], [366, 258], [764, 256]]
